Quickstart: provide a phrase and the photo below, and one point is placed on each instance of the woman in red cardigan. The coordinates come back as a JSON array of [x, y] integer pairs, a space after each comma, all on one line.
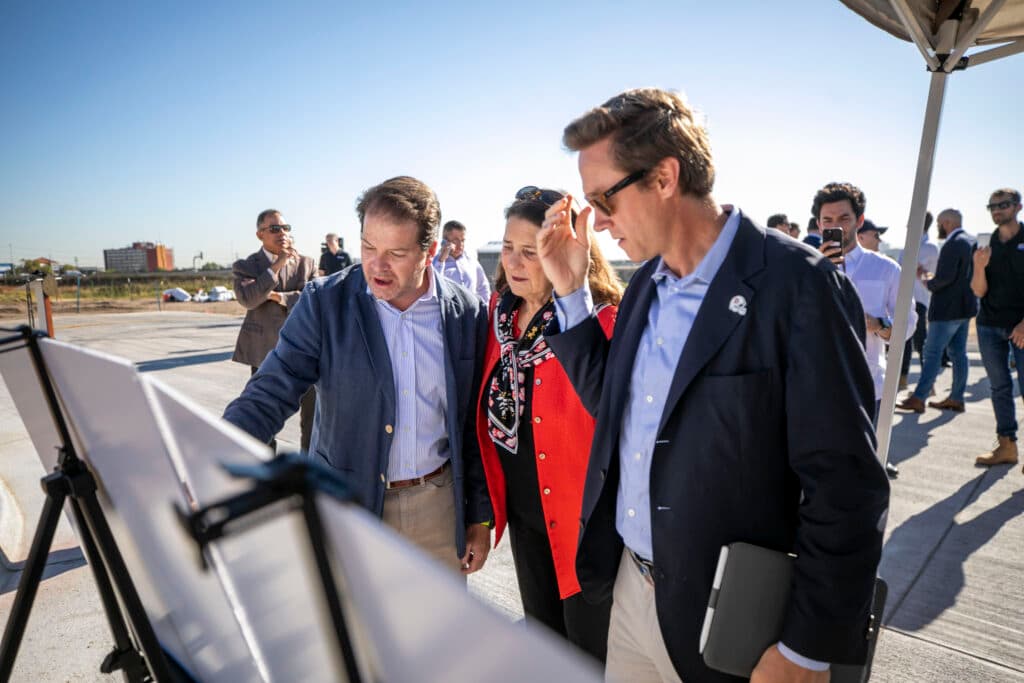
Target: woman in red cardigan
[[534, 433]]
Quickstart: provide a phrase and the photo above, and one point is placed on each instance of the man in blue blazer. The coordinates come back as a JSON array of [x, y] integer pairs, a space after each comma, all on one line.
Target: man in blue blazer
[[704, 437], [394, 353], [952, 306]]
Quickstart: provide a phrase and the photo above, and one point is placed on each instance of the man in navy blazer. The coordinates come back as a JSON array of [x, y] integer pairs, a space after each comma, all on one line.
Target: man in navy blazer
[[952, 306], [394, 353], [725, 336]]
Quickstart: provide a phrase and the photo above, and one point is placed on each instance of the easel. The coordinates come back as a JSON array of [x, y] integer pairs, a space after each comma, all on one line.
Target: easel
[[288, 482], [72, 481]]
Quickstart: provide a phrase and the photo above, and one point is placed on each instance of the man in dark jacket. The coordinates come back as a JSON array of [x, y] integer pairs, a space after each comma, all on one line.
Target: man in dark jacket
[[953, 304], [723, 336]]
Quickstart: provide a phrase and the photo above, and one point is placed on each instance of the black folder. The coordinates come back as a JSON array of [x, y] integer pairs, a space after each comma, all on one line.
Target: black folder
[[747, 608]]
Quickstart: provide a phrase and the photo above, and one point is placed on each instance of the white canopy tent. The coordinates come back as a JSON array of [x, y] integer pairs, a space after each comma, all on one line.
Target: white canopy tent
[[944, 31]]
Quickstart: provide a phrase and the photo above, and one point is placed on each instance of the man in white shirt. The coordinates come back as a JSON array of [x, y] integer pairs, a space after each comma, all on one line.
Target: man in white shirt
[[927, 262], [876, 277], [454, 263]]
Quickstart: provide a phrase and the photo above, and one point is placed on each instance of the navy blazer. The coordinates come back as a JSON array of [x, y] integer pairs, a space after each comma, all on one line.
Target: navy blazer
[[952, 298], [333, 338], [766, 437]]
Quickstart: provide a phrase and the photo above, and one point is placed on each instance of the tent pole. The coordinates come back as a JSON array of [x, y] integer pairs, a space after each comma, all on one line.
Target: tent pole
[[967, 40], [915, 228], [1007, 50]]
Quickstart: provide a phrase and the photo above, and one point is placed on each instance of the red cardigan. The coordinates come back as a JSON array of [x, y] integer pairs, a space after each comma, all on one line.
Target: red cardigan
[[562, 450]]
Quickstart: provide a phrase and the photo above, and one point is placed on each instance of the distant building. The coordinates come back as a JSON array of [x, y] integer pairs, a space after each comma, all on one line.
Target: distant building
[[141, 257]]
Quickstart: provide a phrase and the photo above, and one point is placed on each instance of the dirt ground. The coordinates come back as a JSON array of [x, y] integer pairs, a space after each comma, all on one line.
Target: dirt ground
[[14, 312]]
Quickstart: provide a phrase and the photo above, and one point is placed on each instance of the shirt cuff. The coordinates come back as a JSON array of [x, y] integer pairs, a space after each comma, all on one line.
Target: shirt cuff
[[574, 308], [800, 660]]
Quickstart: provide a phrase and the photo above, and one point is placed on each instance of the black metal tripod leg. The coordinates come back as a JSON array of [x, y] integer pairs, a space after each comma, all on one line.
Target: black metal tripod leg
[[28, 585], [133, 608]]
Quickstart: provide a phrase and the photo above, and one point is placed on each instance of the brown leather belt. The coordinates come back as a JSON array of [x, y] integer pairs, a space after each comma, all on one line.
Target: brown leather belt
[[417, 481]]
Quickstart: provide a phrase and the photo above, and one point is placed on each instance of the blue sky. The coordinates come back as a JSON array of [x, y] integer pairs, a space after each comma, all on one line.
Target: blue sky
[[179, 122]]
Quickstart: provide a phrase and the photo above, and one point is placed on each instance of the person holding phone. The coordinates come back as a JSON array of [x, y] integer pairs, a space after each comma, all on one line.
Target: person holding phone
[[534, 433], [455, 263], [839, 210]]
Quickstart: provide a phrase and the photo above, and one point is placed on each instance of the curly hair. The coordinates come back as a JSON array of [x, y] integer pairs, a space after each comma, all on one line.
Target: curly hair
[[837, 192]]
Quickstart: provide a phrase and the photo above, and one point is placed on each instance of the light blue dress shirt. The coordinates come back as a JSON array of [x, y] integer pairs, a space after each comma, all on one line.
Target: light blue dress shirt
[[415, 339], [467, 272], [669, 321]]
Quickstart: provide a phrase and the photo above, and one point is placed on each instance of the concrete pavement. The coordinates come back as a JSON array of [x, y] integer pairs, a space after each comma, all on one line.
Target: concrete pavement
[[953, 554]]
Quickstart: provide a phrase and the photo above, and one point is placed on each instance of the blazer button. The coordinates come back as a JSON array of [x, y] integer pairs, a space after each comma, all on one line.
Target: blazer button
[[547, 491], [552, 524], [541, 456], [537, 381], [537, 419], [388, 428]]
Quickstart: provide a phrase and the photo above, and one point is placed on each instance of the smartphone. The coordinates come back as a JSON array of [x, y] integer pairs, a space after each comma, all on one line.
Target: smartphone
[[832, 235]]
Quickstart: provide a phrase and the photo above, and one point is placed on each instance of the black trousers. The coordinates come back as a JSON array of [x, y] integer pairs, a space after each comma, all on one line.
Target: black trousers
[[583, 624], [916, 343], [307, 408]]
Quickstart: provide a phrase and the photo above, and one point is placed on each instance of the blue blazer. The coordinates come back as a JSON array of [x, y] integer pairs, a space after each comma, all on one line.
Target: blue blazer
[[952, 298], [765, 437], [333, 339]]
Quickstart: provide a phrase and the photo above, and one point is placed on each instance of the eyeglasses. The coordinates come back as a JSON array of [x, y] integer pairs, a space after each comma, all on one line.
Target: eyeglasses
[[1005, 204], [600, 199], [532, 193], [274, 229]]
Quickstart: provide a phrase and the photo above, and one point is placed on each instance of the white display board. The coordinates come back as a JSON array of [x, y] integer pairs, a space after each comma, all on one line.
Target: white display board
[[258, 612]]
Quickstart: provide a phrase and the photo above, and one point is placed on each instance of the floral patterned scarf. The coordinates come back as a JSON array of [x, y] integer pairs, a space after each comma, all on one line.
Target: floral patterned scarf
[[507, 394]]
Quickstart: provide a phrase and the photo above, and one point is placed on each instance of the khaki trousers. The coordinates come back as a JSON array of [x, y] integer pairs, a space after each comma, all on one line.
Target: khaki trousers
[[636, 650], [425, 515]]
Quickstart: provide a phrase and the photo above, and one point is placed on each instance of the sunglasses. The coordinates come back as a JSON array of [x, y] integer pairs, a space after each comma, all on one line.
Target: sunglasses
[[599, 200], [532, 193], [275, 229], [1005, 204]]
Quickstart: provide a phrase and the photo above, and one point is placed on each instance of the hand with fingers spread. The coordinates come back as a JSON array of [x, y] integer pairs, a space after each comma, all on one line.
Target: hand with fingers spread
[[564, 251]]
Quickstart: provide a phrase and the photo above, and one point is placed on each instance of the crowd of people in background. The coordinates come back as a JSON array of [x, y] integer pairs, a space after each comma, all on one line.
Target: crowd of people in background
[[621, 438]]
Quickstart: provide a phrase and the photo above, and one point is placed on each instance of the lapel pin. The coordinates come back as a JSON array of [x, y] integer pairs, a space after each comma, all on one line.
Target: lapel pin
[[738, 305]]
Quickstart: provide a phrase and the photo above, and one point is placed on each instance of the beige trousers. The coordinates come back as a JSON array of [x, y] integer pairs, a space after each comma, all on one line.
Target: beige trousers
[[425, 515], [636, 650]]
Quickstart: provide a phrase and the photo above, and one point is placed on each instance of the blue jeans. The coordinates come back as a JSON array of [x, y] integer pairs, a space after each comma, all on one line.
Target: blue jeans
[[995, 346], [943, 333]]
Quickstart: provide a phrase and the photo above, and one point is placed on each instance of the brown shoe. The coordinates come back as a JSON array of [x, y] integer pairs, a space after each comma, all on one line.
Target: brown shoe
[[1003, 454], [912, 403], [947, 404]]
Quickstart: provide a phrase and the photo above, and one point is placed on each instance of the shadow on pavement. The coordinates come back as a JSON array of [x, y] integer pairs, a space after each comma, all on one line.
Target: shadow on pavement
[[58, 562], [970, 536], [171, 363]]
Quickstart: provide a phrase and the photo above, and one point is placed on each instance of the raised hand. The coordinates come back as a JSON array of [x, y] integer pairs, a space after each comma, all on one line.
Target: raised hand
[[981, 256], [564, 251]]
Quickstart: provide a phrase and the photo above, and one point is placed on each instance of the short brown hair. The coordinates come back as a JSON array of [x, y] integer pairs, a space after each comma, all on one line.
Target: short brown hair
[[604, 283], [406, 199], [1007, 192], [648, 125]]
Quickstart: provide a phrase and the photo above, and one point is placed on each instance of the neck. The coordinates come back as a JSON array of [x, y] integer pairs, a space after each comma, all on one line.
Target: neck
[[1009, 230], [530, 305], [696, 224]]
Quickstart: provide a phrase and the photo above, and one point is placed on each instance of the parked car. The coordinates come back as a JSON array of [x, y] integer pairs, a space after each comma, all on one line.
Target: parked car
[[221, 294], [176, 294]]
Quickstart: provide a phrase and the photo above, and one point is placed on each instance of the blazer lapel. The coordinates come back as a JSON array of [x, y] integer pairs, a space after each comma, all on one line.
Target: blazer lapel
[[376, 346], [724, 306], [624, 348]]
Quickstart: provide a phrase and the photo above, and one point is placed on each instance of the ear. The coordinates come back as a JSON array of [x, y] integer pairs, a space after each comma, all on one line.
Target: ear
[[432, 251], [666, 177], [860, 222]]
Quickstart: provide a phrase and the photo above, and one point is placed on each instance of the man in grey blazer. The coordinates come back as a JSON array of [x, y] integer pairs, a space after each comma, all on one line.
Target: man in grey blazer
[[268, 283], [394, 350]]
